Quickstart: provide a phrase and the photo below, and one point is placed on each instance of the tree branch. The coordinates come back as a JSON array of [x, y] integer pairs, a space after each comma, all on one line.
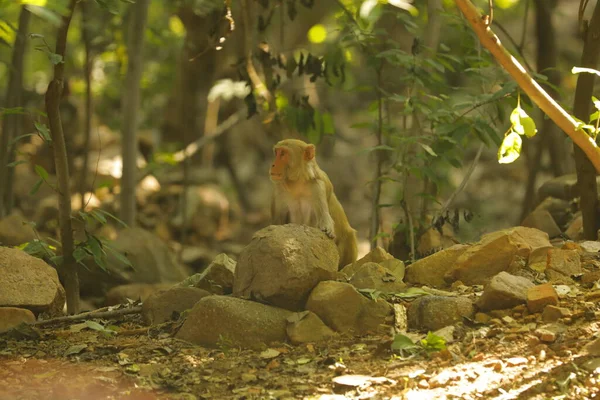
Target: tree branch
[[537, 94]]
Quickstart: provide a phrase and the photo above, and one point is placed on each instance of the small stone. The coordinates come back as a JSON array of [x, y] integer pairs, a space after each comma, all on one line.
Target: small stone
[[553, 313], [540, 296], [542, 220], [11, 317], [504, 291], [247, 378], [482, 318], [565, 262], [545, 335], [514, 361]]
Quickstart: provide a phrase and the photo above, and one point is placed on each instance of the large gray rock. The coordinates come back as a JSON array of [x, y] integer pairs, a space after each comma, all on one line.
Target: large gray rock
[[435, 312], [160, 306], [28, 282], [504, 291], [283, 263], [344, 309], [221, 319]]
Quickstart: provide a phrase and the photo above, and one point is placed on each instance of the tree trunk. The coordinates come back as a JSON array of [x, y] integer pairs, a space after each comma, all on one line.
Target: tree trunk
[[86, 36], [552, 138], [586, 173], [68, 270], [11, 124], [131, 101]]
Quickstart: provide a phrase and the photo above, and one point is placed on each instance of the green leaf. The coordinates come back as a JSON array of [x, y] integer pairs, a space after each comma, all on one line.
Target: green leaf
[[43, 131], [12, 111], [433, 342], [79, 254], [428, 149], [94, 326], [15, 163], [15, 140], [328, 128], [95, 247], [510, 149], [45, 14], [98, 217], [412, 292], [55, 59], [118, 255], [111, 216], [36, 187], [41, 171], [522, 123], [402, 343]]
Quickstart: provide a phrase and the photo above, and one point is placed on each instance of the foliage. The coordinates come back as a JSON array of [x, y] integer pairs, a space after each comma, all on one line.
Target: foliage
[[406, 346]]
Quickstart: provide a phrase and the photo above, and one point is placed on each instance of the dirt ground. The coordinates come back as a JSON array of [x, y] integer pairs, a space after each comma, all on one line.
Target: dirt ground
[[502, 359]]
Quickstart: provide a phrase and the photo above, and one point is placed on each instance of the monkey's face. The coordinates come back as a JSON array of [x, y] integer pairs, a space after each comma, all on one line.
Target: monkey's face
[[280, 164]]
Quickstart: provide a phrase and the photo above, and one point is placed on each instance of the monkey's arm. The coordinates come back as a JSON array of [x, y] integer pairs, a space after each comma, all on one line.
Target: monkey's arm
[[321, 208]]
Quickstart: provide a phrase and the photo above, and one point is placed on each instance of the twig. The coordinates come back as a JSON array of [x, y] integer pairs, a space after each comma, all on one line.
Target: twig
[[464, 182], [100, 313]]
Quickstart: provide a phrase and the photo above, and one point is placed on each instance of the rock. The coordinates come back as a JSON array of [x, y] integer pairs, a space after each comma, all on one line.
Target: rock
[[435, 312], [562, 187], [238, 322], [504, 291], [395, 267], [540, 296], [344, 309], [496, 252], [307, 327], [565, 262], [542, 220], [133, 291], [14, 230], [559, 209], [590, 246], [373, 276], [538, 258], [217, 278], [28, 282], [553, 313], [574, 229], [431, 270], [160, 306], [11, 317], [151, 258], [283, 263], [377, 255]]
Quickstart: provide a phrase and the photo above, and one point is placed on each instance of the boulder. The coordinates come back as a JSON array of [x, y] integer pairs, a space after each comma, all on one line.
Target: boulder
[[307, 327], [564, 262], [14, 230], [217, 320], [160, 306], [504, 291], [496, 252], [11, 317], [435, 312], [431, 270], [344, 309], [28, 282], [283, 263]]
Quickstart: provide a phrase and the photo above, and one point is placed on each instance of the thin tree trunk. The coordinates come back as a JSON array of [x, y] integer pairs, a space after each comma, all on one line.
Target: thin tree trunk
[[11, 124], [131, 101], [68, 269], [547, 57], [586, 173], [86, 36]]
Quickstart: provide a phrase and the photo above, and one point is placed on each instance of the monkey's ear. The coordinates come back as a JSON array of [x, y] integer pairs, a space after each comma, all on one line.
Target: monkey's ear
[[309, 152]]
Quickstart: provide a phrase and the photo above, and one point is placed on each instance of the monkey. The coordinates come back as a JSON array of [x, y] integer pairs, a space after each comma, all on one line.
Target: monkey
[[303, 194]]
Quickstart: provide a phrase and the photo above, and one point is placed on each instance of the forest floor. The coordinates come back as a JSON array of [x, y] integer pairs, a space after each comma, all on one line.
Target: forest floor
[[502, 360]]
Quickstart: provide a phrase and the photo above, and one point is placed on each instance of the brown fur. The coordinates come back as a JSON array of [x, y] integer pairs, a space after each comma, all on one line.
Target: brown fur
[[303, 194]]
